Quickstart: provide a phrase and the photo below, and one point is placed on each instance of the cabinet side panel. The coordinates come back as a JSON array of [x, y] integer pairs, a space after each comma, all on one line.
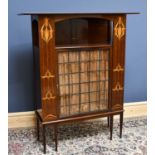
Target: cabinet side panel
[[48, 68], [118, 62], [35, 41]]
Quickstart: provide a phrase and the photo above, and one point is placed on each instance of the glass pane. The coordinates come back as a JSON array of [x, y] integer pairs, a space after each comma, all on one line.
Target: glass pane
[[83, 81]]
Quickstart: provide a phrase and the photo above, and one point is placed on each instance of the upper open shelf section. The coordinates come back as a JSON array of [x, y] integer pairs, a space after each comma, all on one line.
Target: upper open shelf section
[[78, 30], [83, 32]]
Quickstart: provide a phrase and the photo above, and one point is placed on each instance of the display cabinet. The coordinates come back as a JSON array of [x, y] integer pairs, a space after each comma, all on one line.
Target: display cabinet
[[79, 64]]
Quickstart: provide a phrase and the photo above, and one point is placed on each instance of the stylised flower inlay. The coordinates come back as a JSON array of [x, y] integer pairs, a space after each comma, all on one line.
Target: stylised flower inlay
[[117, 106], [118, 68], [46, 31], [50, 116], [48, 96], [47, 75], [119, 29], [117, 87]]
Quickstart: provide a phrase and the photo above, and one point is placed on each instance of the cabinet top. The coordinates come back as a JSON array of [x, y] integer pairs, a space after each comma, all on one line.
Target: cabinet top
[[76, 13]]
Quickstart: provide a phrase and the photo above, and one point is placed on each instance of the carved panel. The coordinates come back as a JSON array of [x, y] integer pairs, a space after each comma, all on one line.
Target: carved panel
[[46, 31], [119, 28]]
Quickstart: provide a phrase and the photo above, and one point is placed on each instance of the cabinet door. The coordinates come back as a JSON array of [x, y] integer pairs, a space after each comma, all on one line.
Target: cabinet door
[[118, 62], [48, 68]]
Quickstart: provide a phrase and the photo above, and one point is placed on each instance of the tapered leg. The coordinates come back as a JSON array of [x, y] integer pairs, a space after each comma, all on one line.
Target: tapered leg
[[38, 130], [108, 121], [44, 138], [121, 123], [56, 136], [111, 126]]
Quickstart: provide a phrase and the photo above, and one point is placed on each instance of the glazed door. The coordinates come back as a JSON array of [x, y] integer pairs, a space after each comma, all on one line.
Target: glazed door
[[83, 81]]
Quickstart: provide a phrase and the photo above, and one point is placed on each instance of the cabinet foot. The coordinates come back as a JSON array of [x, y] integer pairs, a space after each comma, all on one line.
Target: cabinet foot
[[44, 139], [38, 129], [111, 126], [56, 137], [121, 124], [108, 121]]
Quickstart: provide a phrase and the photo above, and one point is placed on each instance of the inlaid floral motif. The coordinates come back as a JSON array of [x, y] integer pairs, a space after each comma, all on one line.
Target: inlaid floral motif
[[46, 31], [117, 87], [118, 68], [48, 96], [119, 28], [47, 75]]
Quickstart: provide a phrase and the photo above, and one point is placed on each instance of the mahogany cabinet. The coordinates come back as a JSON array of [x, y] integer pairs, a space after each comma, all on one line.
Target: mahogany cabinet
[[79, 64]]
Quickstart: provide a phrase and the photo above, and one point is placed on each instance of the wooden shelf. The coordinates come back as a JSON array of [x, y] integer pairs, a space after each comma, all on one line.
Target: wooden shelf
[[83, 46]]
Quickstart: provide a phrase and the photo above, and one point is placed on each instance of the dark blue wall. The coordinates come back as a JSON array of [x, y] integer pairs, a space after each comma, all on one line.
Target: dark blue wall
[[20, 48]]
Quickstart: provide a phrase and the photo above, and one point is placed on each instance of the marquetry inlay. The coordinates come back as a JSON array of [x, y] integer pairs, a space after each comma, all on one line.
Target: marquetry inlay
[[118, 68], [48, 96], [49, 116], [119, 28], [117, 87], [117, 106], [47, 75], [46, 31]]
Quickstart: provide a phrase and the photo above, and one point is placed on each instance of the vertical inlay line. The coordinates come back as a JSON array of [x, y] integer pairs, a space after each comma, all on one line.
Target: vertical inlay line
[[107, 102], [99, 78], [79, 80], [104, 69], [88, 73], [64, 81], [58, 86], [69, 77], [109, 81]]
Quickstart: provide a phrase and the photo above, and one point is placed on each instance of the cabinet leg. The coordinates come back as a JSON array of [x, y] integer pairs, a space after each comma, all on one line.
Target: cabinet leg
[[56, 137], [121, 123], [44, 139], [38, 129], [111, 126], [108, 121]]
